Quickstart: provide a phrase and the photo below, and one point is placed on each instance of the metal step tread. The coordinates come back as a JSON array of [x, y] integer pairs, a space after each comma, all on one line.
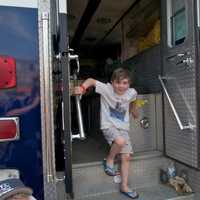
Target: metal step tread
[[137, 156], [159, 192], [144, 172]]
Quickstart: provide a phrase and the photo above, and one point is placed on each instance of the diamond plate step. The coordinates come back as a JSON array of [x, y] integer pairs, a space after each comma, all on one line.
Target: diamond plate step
[[90, 179], [159, 192]]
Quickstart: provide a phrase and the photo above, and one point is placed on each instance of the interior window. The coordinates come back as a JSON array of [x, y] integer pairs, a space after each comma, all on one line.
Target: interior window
[[177, 22]]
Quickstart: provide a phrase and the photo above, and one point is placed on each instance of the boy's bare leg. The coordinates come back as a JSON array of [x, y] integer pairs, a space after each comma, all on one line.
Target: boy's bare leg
[[125, 160], [115, 149]]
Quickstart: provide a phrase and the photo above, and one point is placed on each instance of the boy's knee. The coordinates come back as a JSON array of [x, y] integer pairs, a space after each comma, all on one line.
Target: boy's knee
[[120, 141], [126, 157]]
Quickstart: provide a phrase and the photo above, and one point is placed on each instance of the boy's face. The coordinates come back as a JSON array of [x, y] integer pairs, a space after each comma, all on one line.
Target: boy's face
[[121, 86]]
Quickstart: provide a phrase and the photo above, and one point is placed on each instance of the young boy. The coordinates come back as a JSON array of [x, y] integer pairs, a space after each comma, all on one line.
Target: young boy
[[116, 105]]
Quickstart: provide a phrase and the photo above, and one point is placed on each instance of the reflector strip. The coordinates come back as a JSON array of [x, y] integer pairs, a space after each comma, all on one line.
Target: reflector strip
[[7, 72], [9, 129]]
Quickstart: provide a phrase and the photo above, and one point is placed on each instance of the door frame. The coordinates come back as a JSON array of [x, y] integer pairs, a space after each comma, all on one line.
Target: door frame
[[66, 107]]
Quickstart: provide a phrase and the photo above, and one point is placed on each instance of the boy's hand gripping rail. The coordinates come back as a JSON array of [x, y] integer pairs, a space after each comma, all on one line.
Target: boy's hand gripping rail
[[189, 126], [81, 134]]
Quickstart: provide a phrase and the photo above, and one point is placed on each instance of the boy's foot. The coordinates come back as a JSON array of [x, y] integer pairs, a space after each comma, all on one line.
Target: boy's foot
[[131, 194], [110, 171]]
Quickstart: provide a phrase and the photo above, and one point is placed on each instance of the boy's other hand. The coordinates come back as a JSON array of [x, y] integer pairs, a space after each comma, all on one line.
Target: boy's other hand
[[133, 109], [135, 114]]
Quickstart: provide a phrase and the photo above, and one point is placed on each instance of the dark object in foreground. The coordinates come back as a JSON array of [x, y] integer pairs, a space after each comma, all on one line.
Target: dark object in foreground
[[11, 187]]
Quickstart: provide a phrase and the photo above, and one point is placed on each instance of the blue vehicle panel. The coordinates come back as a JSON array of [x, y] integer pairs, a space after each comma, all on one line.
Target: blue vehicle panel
[[19, 39]]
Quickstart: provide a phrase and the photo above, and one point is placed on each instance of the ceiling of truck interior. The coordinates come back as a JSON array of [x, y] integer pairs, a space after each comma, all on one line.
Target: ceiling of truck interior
[[99, 22]]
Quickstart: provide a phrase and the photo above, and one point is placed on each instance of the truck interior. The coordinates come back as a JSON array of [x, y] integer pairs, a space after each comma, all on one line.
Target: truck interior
[[106, 35]]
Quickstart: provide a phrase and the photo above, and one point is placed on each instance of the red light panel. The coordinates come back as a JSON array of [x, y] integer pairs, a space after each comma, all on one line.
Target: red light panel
[[8, 130], [7, 72]]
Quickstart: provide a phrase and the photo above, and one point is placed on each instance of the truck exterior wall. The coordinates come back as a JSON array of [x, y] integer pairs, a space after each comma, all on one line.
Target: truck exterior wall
[[26, 27], [19, 39]]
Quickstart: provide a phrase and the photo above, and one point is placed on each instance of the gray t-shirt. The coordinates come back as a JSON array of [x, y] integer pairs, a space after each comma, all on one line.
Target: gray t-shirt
[[114, 107]]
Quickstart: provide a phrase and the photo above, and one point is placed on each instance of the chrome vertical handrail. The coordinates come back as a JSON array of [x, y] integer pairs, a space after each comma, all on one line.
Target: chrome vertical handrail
[[81, 134], [189, 126], [80, 118], [47, 99]]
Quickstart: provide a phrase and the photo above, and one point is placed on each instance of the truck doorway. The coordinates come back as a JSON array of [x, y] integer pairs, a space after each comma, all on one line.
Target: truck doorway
[[106, 36], [109, 35]]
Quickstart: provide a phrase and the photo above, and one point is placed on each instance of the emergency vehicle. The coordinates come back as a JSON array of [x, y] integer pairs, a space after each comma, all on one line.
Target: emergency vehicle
[[51, 139]]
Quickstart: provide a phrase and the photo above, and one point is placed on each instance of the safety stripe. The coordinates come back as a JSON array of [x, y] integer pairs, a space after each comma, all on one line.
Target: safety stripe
[[20, 3]]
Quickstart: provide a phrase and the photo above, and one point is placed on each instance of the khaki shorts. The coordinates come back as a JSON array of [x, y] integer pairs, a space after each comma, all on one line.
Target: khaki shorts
[[112, 133]]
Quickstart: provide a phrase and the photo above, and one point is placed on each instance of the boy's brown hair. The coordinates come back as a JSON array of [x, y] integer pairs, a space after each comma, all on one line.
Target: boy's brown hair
[[120, 74]]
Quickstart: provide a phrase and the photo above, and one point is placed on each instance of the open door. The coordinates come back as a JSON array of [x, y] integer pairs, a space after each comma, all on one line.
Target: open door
[[179, 80], [66, 56], [66, 118]]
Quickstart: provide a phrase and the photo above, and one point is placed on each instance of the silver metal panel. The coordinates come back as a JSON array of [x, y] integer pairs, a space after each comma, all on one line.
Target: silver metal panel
[[159, 121], [180, 82], [46, 55], [144, 139], [181, 144], [188, 124]]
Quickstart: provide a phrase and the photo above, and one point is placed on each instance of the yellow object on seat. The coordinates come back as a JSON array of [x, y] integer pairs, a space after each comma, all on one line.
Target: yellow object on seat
[[140, 102], [151, 39]]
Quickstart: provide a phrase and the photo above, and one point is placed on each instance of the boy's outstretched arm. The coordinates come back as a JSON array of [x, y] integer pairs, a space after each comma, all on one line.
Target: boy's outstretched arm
[[133, 109], [90, 82]]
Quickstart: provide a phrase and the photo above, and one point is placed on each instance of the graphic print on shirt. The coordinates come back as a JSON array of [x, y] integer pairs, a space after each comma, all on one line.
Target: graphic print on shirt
[[118, 112]]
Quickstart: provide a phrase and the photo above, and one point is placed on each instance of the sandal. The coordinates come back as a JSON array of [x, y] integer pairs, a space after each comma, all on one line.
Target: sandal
[[131, 194], [110, 171]]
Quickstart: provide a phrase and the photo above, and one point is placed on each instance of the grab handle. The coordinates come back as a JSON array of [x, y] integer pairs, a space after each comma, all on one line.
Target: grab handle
[[81, 134], [47, 103], [180, 124]]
